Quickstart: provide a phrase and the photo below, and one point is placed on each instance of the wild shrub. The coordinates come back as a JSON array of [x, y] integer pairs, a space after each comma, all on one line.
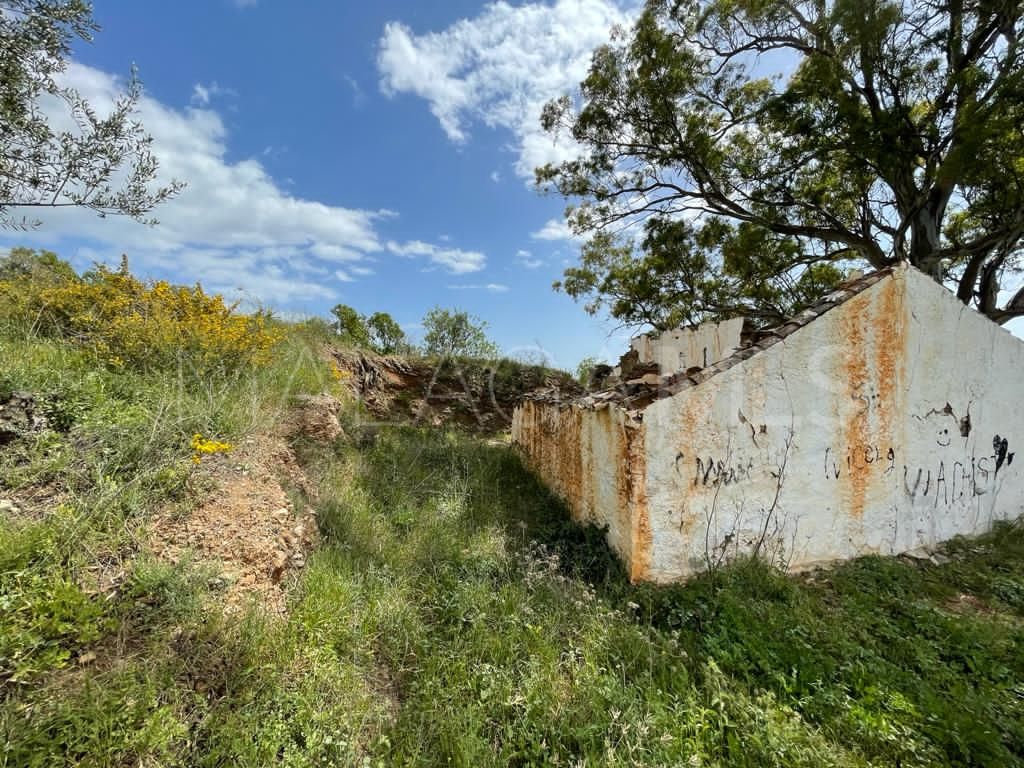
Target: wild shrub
[[127, 322]]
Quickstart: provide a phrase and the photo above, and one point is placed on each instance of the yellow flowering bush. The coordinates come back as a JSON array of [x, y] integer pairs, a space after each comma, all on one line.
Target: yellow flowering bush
[[128, 322], [202, 446]]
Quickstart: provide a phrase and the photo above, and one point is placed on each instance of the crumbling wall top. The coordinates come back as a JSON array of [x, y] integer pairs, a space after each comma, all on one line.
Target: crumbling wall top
[[637, 393]]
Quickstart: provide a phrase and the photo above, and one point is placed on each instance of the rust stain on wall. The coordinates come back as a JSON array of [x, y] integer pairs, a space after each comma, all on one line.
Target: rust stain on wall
[[552, 441], [891, 356], [856, 428], [634, 469], [695, 412]]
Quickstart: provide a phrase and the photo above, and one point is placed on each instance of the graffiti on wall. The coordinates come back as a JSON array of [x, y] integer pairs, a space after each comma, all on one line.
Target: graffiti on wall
[[945, 478]]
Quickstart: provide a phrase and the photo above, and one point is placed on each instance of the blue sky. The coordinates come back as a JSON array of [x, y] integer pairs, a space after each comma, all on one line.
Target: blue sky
[[374, 154]]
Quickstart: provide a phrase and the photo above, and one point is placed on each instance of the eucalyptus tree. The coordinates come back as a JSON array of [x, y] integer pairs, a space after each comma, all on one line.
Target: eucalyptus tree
[[766, 146]]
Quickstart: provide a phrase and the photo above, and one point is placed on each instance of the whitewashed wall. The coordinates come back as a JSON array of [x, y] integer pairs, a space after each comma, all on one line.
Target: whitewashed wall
[[594, 460], [877, 428], [682, 348]]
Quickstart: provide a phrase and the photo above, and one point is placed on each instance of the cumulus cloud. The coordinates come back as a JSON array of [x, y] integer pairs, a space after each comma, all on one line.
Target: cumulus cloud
[[232, 227], [501, 67], [554, 229], [454, 260]]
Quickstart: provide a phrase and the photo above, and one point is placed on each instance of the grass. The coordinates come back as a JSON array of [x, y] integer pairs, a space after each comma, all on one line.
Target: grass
[[452, 616]]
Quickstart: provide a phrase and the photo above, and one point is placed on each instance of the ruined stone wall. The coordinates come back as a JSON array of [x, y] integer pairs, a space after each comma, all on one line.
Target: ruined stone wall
[[682, 348], [594, 460], [886, 425]]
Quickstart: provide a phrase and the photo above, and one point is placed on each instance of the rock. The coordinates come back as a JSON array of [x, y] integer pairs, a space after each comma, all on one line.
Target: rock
[[316, 418], [21, 414], [9, 507], [277, 567]]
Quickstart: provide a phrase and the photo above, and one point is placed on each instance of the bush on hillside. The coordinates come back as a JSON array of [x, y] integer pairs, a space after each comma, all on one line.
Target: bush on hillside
[[128, 322]]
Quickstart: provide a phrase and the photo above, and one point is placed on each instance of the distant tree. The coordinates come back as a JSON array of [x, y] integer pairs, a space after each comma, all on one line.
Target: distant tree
[[351, 326], [386, 335], [102, 163], [585, 369], [456, 333], [28, 265], [895, 136]]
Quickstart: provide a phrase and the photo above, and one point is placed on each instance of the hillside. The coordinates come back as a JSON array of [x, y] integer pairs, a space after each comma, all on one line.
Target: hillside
[[226, 541]]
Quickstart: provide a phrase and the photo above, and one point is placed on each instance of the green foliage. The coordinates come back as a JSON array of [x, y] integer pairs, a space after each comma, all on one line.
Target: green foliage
[[453, 614], [455, 333], [127, 322], [43, 613], [896, 137], [585, 370], [386, 335], [27, 266], [350, 326], [104, 163], [379, 331]]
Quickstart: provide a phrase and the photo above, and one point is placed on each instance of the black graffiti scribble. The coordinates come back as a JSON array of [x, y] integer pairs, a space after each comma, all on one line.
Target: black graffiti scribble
[[965, 424], [1000, 445]]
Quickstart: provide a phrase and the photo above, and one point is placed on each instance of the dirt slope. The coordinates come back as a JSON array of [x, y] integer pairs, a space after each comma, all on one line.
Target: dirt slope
[[476, 395]]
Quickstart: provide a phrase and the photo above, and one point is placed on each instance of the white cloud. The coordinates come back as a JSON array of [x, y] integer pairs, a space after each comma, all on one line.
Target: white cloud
[[555, 229], [454, 260], [200, 94], [358, 97], [501, 67], [203, 94], [496, 177], [526, 259], [232, 226], [343, 276], [491, 287]]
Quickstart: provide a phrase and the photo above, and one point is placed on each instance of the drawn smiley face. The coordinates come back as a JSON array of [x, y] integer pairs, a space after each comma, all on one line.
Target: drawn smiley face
[[943, 439]]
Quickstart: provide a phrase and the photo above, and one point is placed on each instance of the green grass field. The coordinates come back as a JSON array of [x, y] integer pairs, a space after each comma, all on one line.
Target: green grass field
[[451, 615]]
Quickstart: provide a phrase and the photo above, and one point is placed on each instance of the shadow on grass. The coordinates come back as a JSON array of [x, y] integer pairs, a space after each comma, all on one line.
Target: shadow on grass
[[901, 663]]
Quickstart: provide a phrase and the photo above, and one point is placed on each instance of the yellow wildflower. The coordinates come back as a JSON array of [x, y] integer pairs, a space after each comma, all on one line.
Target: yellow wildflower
[[204, 447]]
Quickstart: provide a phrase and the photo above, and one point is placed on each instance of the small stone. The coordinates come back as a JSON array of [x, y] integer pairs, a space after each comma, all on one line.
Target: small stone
[[86, 658], [9, 507]]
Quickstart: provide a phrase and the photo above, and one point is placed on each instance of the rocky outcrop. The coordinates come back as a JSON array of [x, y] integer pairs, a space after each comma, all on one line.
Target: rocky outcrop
[[21, 414]]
